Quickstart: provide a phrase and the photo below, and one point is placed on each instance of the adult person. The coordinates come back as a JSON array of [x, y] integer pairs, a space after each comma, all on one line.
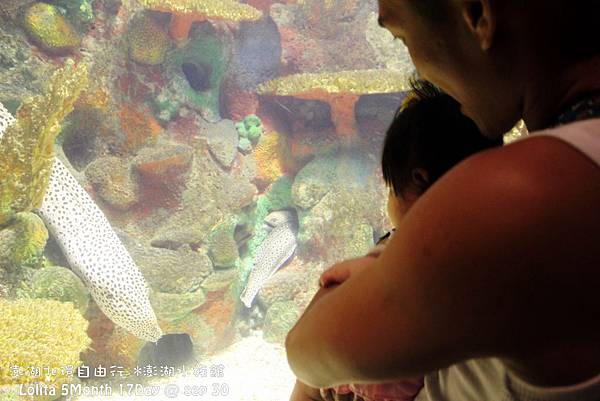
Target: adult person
[[490, 284]]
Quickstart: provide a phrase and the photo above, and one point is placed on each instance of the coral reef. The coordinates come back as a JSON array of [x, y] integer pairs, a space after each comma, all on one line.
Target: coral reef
[[313, 182], [269, 156], [389, 54], [122, 349], [211, 51], [148, 139], [139, 127], [283, 286], [342, 203], [279, 194], [223, 249], [81, 12], [197, 328], [21, 251], [43, 333], [60, 284], [27, 144], [340, 89], [280, 318], [250, 128], [173, 307], [173, 271], [256, 58], [211, 195], [161, 172], [111, 179], [186, 12], [22, 73], [148, 43], [222, 139], [50, 30], [218, 280], [23, 241], [197, 75], [86, 132]]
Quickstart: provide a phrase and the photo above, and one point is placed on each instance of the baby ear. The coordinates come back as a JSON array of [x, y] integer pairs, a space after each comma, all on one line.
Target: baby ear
[[420, 177]]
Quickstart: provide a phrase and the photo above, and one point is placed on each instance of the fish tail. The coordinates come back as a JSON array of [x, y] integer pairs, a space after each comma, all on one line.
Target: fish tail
[[247, 298]]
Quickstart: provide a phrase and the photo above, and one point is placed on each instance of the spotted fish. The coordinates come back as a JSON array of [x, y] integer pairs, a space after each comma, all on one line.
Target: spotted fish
[[95, 252], [272, 253]]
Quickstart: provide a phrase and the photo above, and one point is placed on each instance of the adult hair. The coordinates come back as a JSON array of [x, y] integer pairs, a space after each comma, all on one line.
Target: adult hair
[[428, 132]]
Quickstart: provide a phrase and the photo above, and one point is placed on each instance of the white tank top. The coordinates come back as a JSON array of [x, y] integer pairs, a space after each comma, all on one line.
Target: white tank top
[[489, 379]]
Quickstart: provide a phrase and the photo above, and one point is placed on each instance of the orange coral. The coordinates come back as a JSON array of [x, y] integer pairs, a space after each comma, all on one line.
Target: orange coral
[[139, 128], [96, 98], [268, 156], [186, 12], [341, 90]]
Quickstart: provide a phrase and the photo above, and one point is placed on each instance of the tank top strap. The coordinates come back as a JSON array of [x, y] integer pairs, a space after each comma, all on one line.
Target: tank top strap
[[583, 135]]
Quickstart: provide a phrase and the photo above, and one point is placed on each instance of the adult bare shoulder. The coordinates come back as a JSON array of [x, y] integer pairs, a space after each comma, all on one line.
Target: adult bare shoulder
[[502, 254], [499, 258]]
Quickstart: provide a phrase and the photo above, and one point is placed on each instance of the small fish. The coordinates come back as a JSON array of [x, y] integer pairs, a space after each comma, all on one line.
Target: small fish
[[277, 249]]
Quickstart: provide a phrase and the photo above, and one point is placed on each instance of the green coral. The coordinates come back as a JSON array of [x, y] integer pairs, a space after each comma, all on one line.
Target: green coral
[[250, 128], [172, 307], [50, 30], [81, 12], [210, 50], [27, 146], [148, 42], [280, 194], [30, 236], [44, 333], [166, 107], [222, 247], [280, 318], [245, 146], [60, 284]]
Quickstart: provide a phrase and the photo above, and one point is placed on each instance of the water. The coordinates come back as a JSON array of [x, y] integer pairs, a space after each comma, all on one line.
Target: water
[[163, 148]]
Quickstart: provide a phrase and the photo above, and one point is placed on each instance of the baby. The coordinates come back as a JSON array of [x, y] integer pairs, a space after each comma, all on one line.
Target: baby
[[428, 136]]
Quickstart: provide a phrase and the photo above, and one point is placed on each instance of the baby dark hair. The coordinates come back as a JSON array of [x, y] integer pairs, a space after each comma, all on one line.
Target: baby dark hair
[[428, 132]]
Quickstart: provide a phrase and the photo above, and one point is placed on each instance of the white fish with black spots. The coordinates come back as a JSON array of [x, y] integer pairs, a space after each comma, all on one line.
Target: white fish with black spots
[[277, 249], [94, 251]]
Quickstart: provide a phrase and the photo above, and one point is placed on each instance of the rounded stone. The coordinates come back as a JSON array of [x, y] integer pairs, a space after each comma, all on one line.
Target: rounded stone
[[60, 284], [50, 30], [148, 42], [172, 307], [279, 320], [111, 178]]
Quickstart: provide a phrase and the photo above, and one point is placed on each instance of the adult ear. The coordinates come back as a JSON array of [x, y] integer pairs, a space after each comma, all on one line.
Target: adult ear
[[480, 18]]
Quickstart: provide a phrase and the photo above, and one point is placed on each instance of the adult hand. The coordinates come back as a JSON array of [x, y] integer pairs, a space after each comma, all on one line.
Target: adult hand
[[340, 272]]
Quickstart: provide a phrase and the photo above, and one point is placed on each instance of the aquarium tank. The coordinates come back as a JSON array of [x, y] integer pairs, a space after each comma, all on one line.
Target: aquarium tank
[[174, 177]]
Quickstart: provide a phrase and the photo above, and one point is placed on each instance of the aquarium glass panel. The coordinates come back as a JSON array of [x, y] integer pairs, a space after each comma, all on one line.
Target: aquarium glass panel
[[175, 175]]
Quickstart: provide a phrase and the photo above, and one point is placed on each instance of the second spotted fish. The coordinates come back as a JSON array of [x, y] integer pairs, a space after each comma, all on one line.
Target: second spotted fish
[[277, 249]]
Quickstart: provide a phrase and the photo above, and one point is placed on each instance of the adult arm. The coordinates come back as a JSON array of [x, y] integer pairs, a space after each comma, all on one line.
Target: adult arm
[[499, 257]]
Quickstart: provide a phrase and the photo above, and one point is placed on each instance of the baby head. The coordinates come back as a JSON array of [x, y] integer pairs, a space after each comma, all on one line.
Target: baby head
[[428, 136]]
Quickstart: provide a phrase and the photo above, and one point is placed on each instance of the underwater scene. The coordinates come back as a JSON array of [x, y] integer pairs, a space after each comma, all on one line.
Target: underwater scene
[[175, 175]]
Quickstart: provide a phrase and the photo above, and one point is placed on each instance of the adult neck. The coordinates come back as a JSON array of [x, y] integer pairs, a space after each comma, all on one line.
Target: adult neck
[[548, 93]]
